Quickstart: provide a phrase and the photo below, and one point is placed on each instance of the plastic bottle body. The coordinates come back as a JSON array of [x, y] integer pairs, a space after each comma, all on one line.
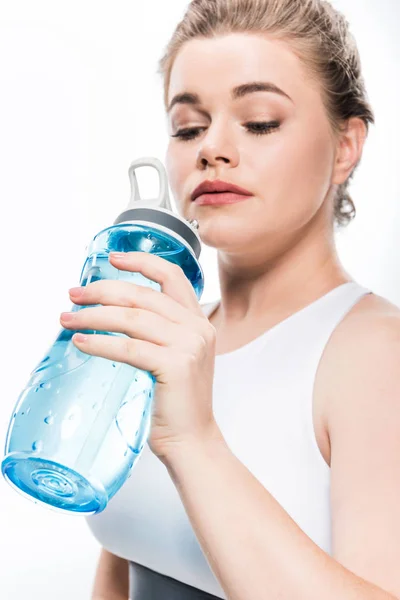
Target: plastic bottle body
[[81, 422]]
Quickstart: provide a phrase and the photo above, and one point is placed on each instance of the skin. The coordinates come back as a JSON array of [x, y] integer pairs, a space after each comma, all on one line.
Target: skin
[[292, 173]]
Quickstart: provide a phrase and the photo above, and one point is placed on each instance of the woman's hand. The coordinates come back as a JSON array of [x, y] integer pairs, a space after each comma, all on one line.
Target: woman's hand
[[169, 336]]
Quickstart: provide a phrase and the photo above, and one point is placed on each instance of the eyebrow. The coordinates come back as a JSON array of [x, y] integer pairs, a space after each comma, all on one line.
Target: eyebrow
[[237, 92]]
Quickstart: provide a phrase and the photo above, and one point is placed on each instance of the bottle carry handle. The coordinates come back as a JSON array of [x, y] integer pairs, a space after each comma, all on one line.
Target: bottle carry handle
[[162, 200]]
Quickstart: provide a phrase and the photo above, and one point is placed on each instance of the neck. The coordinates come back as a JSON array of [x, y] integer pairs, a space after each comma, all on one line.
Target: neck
[[269, 290]]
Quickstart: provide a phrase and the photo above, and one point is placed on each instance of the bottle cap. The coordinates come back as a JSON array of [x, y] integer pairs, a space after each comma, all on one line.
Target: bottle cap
[[157, 210]]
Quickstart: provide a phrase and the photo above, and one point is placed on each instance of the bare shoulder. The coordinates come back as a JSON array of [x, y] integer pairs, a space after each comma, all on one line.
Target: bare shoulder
[[362, 343], [373, 318]]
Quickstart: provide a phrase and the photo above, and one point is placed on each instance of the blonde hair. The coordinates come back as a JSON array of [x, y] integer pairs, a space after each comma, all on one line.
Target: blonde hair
[[316, 32]]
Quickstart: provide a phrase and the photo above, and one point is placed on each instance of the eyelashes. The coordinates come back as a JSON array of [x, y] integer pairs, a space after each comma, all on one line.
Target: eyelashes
[[255, 128]]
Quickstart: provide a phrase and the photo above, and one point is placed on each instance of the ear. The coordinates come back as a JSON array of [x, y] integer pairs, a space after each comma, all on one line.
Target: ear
[[349, 150]]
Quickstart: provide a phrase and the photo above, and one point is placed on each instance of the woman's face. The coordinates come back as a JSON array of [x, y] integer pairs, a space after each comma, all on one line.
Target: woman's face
[[287, 165]]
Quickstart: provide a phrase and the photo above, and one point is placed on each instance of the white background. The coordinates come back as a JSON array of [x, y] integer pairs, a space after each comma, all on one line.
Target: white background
[[79, 100]]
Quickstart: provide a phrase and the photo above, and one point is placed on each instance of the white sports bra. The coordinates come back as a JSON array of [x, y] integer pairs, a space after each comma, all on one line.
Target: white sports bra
[[262, 397]]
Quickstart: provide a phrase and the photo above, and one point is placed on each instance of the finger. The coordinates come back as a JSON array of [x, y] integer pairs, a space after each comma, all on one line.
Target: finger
[[137, 353], [124, 293], [135, 323], [169, 276]]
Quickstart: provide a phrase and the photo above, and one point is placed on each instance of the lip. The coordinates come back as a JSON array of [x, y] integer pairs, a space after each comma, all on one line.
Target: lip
[[220, 198], [217, 187]]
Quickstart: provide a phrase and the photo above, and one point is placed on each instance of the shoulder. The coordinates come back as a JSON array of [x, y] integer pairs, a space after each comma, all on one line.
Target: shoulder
[[373, 320], [363, 351], [371, 327]]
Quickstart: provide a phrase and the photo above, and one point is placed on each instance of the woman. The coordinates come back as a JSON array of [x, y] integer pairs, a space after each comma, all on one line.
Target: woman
[[273, 463]]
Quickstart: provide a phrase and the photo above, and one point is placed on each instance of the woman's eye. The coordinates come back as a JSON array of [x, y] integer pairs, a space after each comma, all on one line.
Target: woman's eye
[[256, 128], [187, 134], [262, 127]]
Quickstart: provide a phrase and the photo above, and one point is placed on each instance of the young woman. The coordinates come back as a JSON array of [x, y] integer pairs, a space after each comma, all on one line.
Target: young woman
[[273, 467]]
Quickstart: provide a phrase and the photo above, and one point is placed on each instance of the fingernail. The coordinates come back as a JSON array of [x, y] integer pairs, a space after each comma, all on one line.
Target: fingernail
[[118, 255], [67, 316], [76, 291], [79, 337]]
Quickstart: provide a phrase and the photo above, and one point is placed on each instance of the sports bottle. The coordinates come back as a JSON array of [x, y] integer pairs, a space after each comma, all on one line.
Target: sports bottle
[[81, 421]]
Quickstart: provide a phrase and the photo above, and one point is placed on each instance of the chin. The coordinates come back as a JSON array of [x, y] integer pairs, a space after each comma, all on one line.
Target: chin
[[225, 233]]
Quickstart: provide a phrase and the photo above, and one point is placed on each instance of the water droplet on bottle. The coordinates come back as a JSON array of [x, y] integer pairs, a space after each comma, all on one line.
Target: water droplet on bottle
[[95, 405], [114, 365], [28, 410], [37, 446], [37, 389], [14, 415], [126, 452], [71, 417], [46, 385], [59, 366], [49, 420]]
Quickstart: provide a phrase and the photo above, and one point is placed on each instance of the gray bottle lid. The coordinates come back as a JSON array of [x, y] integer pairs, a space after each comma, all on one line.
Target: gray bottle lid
[[158, 210]]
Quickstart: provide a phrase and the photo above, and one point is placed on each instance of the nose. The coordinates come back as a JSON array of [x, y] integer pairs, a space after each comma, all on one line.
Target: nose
[[216, 148]]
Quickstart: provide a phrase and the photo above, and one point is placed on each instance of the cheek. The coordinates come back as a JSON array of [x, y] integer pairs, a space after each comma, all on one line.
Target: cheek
[[178, 166], [293, 176], [303, 163], [316, 160]]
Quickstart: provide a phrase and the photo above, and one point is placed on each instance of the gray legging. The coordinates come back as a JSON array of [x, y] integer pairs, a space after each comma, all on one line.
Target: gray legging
[[149, 585]]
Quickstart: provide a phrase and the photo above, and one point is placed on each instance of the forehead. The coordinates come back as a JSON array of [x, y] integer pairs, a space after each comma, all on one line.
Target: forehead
[[214, 66]]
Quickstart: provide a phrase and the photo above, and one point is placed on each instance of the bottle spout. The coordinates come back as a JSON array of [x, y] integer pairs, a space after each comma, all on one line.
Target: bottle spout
[[158, 211]]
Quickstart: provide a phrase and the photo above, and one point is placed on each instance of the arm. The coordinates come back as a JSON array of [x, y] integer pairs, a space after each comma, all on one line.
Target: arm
[[252, 544], [112, 578]]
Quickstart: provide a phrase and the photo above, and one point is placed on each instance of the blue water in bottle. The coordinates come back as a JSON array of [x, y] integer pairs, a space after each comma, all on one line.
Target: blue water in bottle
[[81, 422]]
